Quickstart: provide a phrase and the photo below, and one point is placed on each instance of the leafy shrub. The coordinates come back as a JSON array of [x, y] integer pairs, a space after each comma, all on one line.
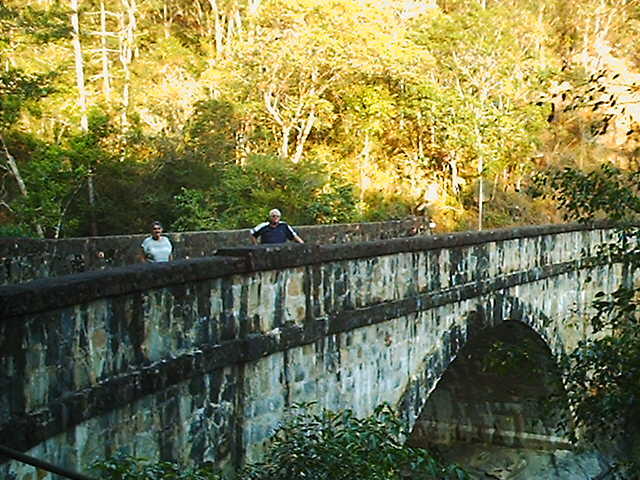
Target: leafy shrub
[[195, 211], [304, 192], [126, 467], [602, 374], [380, 207], [337, 445], [12, 230], [320, 446]]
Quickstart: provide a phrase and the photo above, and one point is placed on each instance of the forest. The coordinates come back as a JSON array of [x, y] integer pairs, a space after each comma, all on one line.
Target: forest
[[204, 114]]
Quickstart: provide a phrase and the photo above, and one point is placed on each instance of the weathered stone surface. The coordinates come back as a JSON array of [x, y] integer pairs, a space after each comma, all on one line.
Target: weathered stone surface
[[196, 360]]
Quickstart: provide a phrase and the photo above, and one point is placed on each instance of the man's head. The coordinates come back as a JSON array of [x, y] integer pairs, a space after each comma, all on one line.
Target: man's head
[[274, 216]]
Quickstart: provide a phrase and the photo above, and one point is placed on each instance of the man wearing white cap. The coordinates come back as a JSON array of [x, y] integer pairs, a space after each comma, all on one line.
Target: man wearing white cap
[[274, 231]]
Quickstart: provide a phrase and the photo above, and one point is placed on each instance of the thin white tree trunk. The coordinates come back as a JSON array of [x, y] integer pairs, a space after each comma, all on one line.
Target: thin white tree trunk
[[106, 79], [82, 102], [166, 23], [284, 145], [218, 27], [455, 178], [127, 45], [252, 13], [364, 165], [302, 137], [77, 50], [271, 104], [15, 171], [230, 29]]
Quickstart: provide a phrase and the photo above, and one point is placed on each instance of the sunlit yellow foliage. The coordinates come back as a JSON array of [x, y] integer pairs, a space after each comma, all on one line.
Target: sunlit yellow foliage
[[413, 105]]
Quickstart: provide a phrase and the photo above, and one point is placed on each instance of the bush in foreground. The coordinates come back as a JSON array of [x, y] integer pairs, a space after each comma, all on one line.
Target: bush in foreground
[[317, 445]]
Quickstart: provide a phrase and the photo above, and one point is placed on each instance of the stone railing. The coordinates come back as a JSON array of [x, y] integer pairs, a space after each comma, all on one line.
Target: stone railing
[[26, 259]]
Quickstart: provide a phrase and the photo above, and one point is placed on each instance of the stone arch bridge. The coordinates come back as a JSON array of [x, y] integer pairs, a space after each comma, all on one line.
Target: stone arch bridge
[[197, 360]]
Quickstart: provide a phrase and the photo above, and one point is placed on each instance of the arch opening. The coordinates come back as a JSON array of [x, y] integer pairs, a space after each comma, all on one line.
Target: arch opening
[[489, 412], [495, 393]]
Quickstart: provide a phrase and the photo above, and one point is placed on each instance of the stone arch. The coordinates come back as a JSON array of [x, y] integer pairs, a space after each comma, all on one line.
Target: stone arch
[[495, 421], [494, 393], [477, 316]]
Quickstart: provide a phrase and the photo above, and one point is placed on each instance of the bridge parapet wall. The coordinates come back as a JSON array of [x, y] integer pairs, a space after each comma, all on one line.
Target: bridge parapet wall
[[195, 360], [26, 259]]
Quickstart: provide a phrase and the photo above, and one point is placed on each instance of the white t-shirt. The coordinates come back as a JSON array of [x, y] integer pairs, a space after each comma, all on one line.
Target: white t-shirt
[[157, 250]]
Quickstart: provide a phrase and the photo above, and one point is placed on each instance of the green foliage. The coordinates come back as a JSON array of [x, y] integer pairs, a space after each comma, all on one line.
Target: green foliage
[[605, 192], [337, 445], [210, 132], [406, 107], [379, 207], [18, 90], [122, 189], [12, 230], [335, 203], [304, 192], [126, 467], [602, 374], [196, 210], [40, 24], [53, 178], [316, 445]]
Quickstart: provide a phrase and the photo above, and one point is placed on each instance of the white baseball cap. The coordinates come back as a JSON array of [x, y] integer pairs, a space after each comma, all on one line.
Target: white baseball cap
[[275, 211]]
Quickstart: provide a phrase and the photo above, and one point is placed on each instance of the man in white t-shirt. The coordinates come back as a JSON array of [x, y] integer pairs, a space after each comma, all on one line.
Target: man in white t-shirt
[[157, 247]]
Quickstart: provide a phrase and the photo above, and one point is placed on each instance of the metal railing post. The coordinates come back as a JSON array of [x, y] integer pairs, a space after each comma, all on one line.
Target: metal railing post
[[50, 467]]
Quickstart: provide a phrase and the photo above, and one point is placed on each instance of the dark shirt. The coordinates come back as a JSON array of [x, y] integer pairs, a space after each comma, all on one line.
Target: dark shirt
[[269, 234]]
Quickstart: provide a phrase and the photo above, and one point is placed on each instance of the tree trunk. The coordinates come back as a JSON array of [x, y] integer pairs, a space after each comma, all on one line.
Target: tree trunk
[[15, 171], [364, 166], [82, 102], [302, 136], [231, 19], [271, 105], [455, 178], [127, 44], [252, 13], [284, 145], [106, 79], [218, 27], [252, 8], [77, 50], [166, 22]]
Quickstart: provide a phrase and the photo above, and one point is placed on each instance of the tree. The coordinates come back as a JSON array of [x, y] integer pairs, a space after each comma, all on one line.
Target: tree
[[602, 375], [412, 106], [302, 51], [486, 120], [305, 192], [17, 91]]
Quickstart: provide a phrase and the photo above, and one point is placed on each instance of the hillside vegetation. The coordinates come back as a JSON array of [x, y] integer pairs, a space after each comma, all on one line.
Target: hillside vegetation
[[206, 113]]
